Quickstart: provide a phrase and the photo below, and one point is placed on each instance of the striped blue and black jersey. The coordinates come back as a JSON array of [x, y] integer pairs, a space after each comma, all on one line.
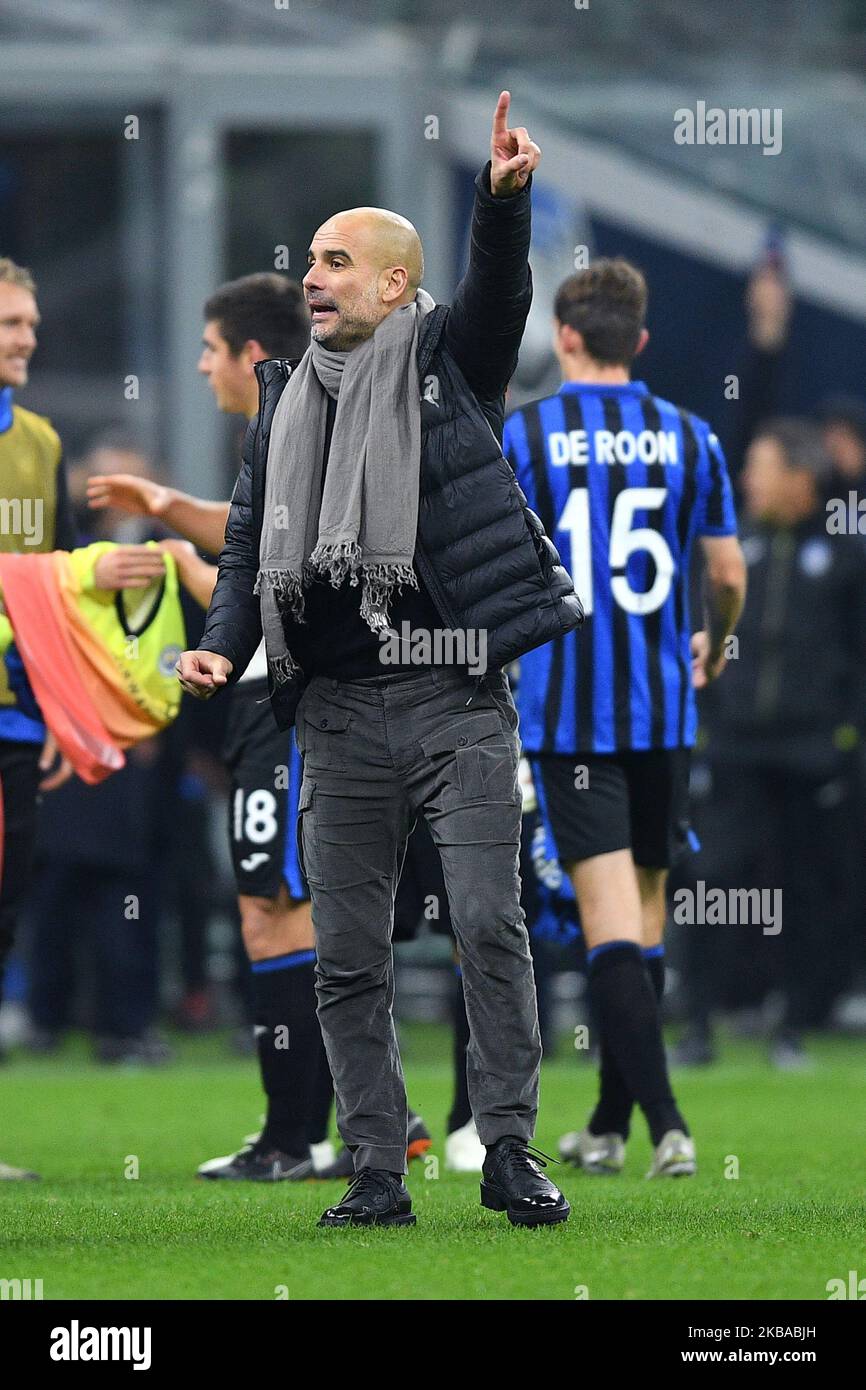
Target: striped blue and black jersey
[[623, 482]]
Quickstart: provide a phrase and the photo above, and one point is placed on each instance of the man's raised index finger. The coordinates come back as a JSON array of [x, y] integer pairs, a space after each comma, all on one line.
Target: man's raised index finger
[[500, 116]]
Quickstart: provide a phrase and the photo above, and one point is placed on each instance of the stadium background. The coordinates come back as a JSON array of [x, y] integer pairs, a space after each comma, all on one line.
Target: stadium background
[[151, 150]]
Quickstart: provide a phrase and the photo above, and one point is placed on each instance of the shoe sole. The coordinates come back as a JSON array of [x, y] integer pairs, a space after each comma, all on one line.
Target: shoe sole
[[595, 1170], [406, 1219], [492, 1199], [686, 1169]]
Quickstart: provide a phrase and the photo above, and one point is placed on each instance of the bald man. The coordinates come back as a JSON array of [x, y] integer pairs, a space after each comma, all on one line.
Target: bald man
[[378, 538], [381, 266]]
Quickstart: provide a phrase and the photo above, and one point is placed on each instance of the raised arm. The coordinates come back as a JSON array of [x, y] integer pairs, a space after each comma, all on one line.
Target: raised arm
[[489, 309]]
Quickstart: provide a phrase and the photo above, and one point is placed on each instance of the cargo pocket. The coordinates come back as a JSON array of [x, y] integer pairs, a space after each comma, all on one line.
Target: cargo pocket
[[352, 850], [479, 755], [325, 736], [309, 861]]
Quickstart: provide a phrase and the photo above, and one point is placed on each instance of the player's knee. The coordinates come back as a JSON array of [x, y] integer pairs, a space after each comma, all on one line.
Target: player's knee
[[261, 923]]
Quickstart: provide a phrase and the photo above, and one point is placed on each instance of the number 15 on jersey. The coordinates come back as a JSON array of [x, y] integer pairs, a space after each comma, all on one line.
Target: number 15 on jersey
[[625, 540]]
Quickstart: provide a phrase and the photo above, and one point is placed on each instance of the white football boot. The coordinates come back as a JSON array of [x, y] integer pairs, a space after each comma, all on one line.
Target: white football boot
[[322, 1154], [675, 1156], [464, 1151], [603, 1155]]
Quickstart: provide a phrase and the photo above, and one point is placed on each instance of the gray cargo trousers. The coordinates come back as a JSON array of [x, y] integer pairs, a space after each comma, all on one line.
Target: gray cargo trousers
[[378, 753]]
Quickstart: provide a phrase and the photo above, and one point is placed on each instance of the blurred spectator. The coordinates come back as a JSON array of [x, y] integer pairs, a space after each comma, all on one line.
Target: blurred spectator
[[770, 307], [98, 884], [843, 421], [782, 731], [113, 451]]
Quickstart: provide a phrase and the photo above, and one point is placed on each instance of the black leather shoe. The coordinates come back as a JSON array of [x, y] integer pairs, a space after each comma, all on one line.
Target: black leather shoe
[[514, 1183], [373, 1198]]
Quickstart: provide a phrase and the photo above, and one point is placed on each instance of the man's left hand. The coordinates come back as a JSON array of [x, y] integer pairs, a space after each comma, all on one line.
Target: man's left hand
[[513, 156]]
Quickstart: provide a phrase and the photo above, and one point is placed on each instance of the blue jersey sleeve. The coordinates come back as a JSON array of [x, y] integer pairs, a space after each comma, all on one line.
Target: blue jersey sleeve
[[516, 451], [715, 506]]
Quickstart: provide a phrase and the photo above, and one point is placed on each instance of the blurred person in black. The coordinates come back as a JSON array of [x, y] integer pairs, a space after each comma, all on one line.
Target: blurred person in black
[[98, 878], [781, 737]]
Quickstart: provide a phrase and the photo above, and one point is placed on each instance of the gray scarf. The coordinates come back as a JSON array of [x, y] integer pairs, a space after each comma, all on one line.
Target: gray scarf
[[363, 525]]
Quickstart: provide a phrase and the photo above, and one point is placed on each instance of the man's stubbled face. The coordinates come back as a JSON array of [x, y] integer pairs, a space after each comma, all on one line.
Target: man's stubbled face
[[349, 283]]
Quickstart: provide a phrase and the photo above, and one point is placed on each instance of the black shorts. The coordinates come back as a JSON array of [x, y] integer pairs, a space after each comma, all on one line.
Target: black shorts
[[19, 790], [266, 772], [421, 895], [595, 803]]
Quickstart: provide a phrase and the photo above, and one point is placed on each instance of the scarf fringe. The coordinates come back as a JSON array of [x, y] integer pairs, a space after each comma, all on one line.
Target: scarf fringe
[[284, 669], [336, 561], [380, 581], [287, 588], [284, 589]]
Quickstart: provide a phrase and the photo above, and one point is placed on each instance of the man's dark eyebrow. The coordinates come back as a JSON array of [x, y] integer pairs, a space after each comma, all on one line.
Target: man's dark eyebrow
[[331, 254]]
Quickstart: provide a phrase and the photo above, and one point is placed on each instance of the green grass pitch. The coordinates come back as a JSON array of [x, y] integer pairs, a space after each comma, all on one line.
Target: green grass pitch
[[793, 1219]]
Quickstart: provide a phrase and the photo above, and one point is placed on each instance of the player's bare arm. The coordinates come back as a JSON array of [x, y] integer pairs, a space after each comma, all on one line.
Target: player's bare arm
[[194, 518], [724, 596], [195, 574]]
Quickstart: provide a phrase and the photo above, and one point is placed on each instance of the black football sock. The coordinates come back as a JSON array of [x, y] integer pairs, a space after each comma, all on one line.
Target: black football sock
[[321, 1097], [288, 1038], [629, 1022], [461, 1110], [654, 960], [612, 1115]]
